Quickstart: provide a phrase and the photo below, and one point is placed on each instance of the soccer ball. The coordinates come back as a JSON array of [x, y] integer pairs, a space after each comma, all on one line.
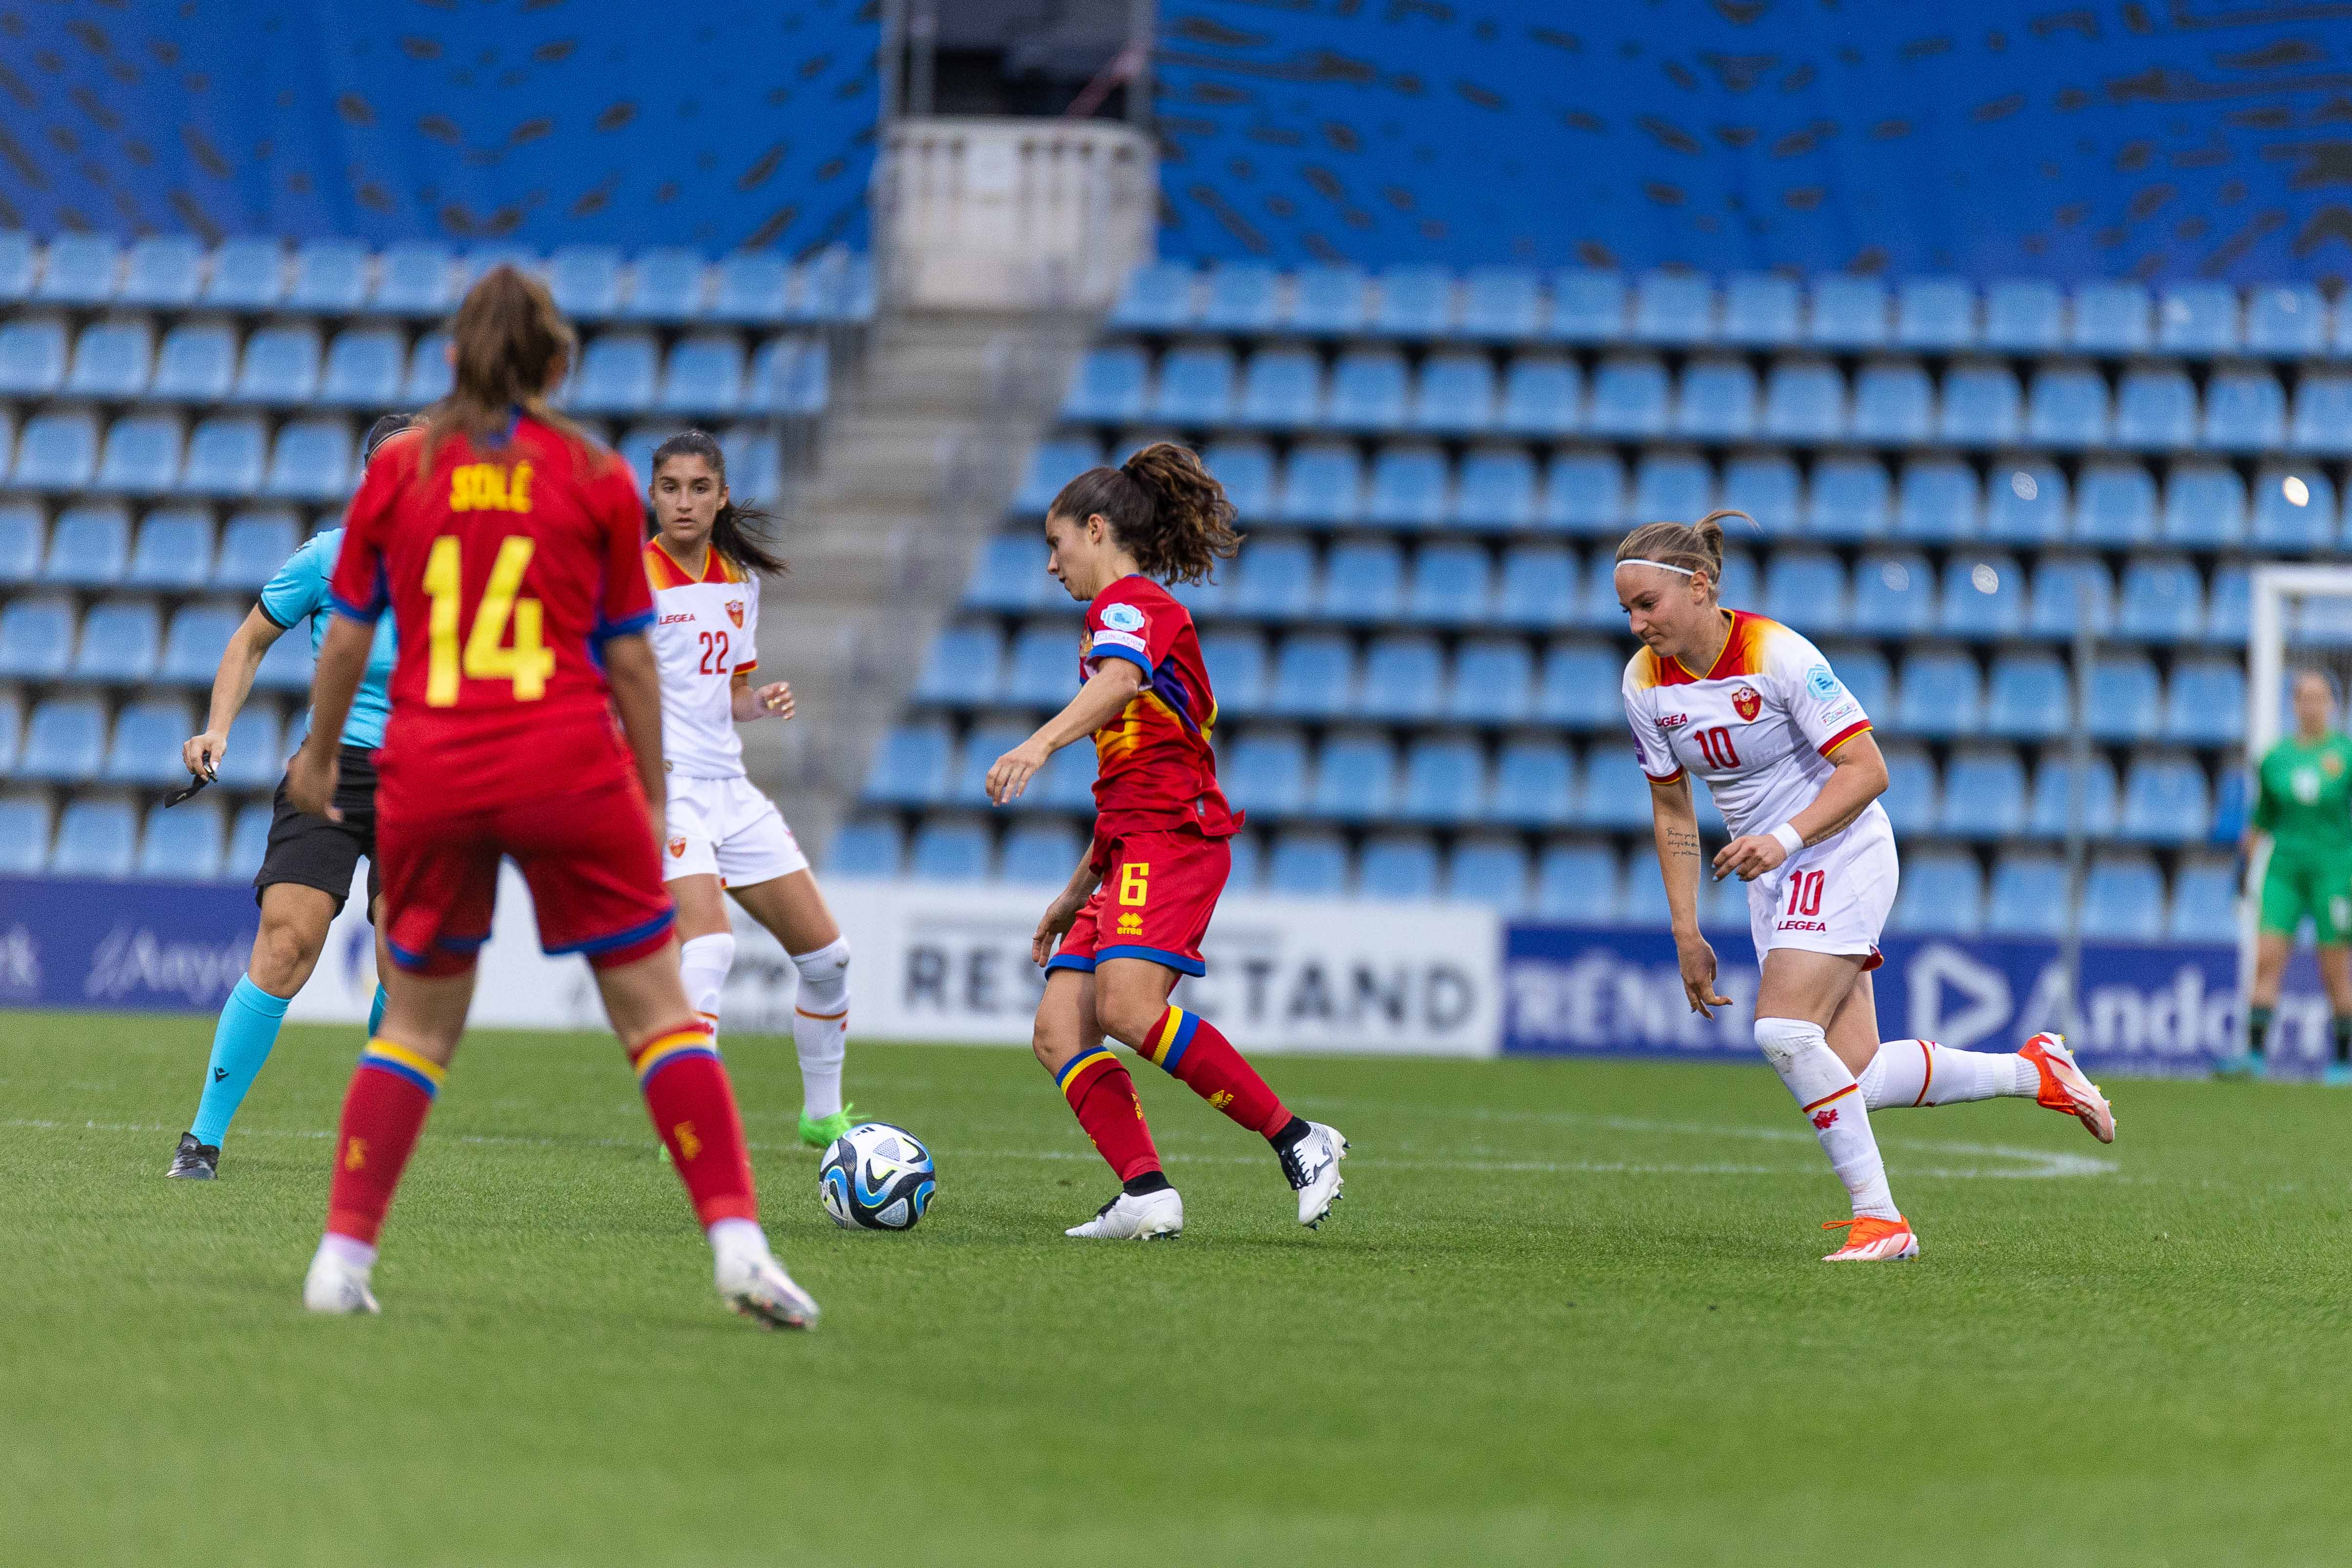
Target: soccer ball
[[876, 1177]]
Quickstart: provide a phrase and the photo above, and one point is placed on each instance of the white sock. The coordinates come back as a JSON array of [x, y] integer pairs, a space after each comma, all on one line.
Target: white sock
[[703, 962], [1920, 1072], [349, 1250], [1832, 1102], [742, 1235], [821, 1026]]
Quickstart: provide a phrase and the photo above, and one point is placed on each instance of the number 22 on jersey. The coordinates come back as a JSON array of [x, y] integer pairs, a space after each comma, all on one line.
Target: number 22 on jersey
[[528, 662]]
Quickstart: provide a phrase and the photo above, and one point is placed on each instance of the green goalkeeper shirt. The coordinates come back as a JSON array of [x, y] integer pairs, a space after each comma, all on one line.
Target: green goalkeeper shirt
[[2303, 795]]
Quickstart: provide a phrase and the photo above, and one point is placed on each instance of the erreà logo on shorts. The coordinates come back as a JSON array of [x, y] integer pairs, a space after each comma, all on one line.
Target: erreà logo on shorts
[[1745, 702]]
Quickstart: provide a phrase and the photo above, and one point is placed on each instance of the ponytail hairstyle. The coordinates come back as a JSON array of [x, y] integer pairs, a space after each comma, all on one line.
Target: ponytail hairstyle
[[1692, 546], [1162, 506], [508, 341], [743, 534]]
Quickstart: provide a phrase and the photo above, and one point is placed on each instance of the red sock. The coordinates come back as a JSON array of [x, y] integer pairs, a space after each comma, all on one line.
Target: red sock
[[384, 1110], [1200, 1058], [693, 1108], [1102, 1094]]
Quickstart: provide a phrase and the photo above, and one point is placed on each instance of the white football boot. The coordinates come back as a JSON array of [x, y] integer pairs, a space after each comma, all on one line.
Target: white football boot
[[2065, 1088], [752, 1282], [1154, 1216], [1313, 1166], [337, 1284]]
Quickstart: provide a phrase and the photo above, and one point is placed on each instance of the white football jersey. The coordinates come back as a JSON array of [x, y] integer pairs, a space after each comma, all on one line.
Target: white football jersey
[[706, 632], [1758, 726]]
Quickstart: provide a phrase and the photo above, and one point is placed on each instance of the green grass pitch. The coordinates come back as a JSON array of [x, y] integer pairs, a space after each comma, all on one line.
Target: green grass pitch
[[1569, 1313]]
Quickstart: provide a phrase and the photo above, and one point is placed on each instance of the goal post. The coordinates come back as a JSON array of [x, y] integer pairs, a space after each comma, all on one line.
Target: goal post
[[2299, 617]]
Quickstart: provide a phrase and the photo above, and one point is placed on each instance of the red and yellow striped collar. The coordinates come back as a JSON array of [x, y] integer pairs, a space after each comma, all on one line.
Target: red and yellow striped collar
[[663, 570]]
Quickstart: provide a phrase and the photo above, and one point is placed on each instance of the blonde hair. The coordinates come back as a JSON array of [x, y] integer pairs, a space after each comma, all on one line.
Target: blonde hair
[[1694, 547]]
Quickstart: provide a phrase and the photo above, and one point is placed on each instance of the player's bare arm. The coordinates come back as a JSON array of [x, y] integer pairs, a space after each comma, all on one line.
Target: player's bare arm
[[1103, 698], [1063, 913], [1675, 823], [636, 680], [343, 661], [773, 700], [1857, 777], [231, 684]]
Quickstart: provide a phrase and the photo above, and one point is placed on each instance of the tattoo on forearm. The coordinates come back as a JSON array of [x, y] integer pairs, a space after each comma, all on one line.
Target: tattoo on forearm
[[1680, 842]]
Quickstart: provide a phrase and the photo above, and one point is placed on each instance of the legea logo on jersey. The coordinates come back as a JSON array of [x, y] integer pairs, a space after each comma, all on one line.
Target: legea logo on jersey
[[1672, 720], [1745, 702], [735, 611]]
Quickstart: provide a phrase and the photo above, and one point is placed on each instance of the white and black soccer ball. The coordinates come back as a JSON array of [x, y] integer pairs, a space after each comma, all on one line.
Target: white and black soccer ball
[[876, 1177]]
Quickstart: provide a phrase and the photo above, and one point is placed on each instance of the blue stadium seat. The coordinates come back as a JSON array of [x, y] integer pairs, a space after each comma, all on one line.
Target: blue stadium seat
[[704, 375], [1281, 387], [23, 835], [2156, 408], [2229, 605], [1157, 298], [1676, 485], [1581, 683], [1851, 499], [1766, 488], [1674, 308], [1445, 781], [1616, 796], [1497, 488], [1804, 400], [617, 373], [1273, 579], [2123, 899], [2204, 902], [1717, 400], [2286, 319], [363, 369], [146, 745], [755, 287], [2027, 503], [280, 365], [2323, 412], [1864, 672], [1984, 794], [2070, 591], [2030, 697], [1894, 401], [2163, 601], [1980, 405], [329, 278], [1940, 694], [58, 451], [2125, 701], [199, 637], [1394, 865], [256, 749], [1492, 871], [1582, 883], [418, 278], [1307, 865], [225, 457], [1363, 580], [1328, 299], [1760, 311], [1542, 396], [1587, 306], [1741, 584], [32, 356], [2023, 317], [1942, 894], [1935, 313], [2205, 704], [1066, 783], [2204, 506], [428, 377], [1054, 464], [197, 363], [1494, 682], [162, 271], [948, 850], [2028, 898], [2117, 506], [1408, 489], [1403, 680], [668, 284], [587, 281], [2199, 318], [1849, 312], [1501, 303], [1455, 393], [111, 360], [2067, 406], [1416, 302], [1584, 492], [1248, 865], [983, 745], [960, 670], [911, 767], [23, 540], [2245, 410], [1983, 596], [1313, 676], [65, 741], [1322, 483], [1011, 574], [1196, 385], [1042, 669], [1240, 299], [1245, 469], [286, 666], [83, 270], [1535, 785], [2110, 316], [95, 838], [479, 261], [313, 460], [1368, 391], [1039, 854], [1265, 774], [254, 545], [2297, 516], [36, 636], [2165, 801], [1108, 387], [18, 260], [1538, 586], [142, 454], [1236, 662], [1629, 396], [1806, 589], [184, 844], [90, 547], [1911, 795], [1938, 500], [1894, 595], [1451, 585], [248, 839]]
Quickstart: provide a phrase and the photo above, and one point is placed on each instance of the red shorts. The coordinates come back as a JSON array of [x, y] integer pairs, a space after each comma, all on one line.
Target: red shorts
[[589, 859], [1158, 892]]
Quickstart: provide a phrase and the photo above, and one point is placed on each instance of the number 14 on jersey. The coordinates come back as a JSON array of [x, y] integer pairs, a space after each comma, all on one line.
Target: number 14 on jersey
[[527, 662]]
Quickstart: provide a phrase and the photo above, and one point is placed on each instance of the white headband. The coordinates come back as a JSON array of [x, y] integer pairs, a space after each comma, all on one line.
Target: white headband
[[1637, 560]]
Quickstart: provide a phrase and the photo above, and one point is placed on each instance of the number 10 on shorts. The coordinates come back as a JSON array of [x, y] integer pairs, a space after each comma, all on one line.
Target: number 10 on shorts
[[1805, 893]]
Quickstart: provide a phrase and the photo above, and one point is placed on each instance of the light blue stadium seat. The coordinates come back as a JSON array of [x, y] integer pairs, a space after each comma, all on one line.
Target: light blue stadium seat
[[330, 277], [1937, 501], [1588, 306], [2155, 409], [2204, 506], [1065, 783], [1239, 297], [146, 745], [2199, 318], [1011, 574], [95, 838], [1363, 580], [1983, 596], [1941, 694], [254, 545], [2163, 600], [1416, 302], [1273, 579], [2286, 319], [23, 835], [2125, 700], [668, 284], [961, 668], [2028, 897], [617, 374], [1313, 676], [280, 365], [1676, 485], [1911, 797], [1851, 499], [479, 261], [1109, 386], [2110, 316], [2165, 801], [1451, 585], [1497, 488], [1942, 894], [1539, 587], [1848, 313], [1616, 795], [428, 377], [2117, 506], [1935, 313], [1236, 662], [90, 547], [911, 767], [2027, 501], [1760, 311], [1265, 774], [1581, 690], [1041, 670], [1282, 387], [1248, 865], [2205, 704], [1054, 464], [1765, 484], [1717, 400], [755, 463], [1245, 469], [1674, 308], [112, 360], [1455, 395], [313, 460], [1984, 794], [226, 456], [949, 851], [1368, 391], [870, 847], [704, 375], [1501, 303], [1445, 781], [184, 844], [2030, 697], [1864, 673], [1494, 682], [1741, 585], [2323, 412], [197, 363], [754, 287], [586, 280], [2204, 902], [1196, 384], [36, 636], [1804, 400], [58, 451], [1894, 400], [142, 454], [2023, 316], [199, 637], [2245, 410], [23, 540], [65, 741], [1408, 488], [982, 747], [1629, 396], [248, 840], [1584, 492], [2069, 592], [2067, 406], [18, 260], [247, 275], [2284, 523], [1157, 298], [2051, 783], [1980, 405], [1542, 396], [1328, 299], [1039, 854], [1581, 883], [2123, 899], [1806, 589], [83, 270], [835, 286], [1403, 680], [286, 666], [1307, 865], [1492, 871], [1394, 865], [1535, 785], [1894, 595], [1322, 483], [32, 356], [257, 750]]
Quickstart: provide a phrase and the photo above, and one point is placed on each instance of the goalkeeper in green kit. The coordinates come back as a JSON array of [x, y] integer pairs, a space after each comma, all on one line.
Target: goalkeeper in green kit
[[2303, 799]]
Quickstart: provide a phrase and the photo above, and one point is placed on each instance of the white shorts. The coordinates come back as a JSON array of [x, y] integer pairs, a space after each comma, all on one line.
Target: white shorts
[[726, 828], [1831, 897]]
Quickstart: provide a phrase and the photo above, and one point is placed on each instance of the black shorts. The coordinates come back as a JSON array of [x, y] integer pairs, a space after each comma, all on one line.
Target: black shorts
[[315, 852]]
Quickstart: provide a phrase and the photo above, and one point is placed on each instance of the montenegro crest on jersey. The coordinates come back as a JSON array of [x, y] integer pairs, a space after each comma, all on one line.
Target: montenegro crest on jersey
[[735, 612], [678, 849], [1746, 702]]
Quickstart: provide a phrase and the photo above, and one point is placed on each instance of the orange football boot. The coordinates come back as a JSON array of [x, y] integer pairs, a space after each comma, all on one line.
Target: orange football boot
[[2063, 1087], [1869, 1240]]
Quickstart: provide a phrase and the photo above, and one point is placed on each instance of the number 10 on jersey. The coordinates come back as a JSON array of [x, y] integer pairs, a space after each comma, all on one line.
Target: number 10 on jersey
[[487, 657]]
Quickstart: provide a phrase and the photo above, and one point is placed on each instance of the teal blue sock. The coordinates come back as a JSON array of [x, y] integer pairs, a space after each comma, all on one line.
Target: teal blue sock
[[247, 1028], [376, 1013]]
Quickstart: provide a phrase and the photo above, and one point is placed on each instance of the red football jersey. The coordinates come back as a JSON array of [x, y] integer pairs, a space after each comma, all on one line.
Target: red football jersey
[[505, 567], [1154, 765]]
